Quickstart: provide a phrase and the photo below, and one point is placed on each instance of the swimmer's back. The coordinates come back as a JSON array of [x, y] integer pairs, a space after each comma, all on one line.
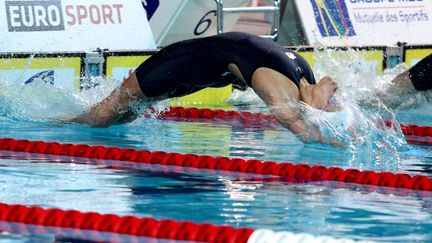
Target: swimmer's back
[[250, 52], [187, 66]]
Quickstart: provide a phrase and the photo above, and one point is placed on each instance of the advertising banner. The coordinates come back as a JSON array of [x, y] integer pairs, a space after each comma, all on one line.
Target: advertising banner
[[415, 54], [60, 71], [73, 25], [119, 66], [366, 22], [371, 61]]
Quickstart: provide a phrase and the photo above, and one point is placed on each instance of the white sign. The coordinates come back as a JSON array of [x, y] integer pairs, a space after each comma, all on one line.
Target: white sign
[[176, 20], [366, 22], [73, 25]]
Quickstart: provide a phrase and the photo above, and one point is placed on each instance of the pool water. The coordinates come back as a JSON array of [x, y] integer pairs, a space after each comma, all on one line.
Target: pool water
[[223, 198], [233, 199], [239, 200]]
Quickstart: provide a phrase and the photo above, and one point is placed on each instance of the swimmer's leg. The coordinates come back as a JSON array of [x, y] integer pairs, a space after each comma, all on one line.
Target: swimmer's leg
[[115, 106]]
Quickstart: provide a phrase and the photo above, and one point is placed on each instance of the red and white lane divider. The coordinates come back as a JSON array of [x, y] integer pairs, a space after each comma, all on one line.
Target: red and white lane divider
[[148, 227], [414, 134], [300, 172]]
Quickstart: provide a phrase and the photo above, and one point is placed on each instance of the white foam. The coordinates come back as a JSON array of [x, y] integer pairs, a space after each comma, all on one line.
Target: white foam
[[269, 236], [39, 101]]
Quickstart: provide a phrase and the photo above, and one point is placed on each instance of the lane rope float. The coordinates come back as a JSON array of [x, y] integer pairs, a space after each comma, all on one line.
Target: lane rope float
[[131, 225], [149, 227], [301, 172]]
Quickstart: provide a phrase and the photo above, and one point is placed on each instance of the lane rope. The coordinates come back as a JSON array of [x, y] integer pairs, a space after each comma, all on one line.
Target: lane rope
[[131, 225], [149, 227], [300, 172], [414, 134]]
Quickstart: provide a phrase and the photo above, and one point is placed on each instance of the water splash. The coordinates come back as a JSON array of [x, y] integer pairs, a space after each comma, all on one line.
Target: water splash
[[360, 79], [364, 93], [244, 97], [368, 99], [41, 101]]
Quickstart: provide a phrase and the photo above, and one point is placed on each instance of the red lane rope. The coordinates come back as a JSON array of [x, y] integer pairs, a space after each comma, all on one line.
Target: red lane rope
[[287, 170], [413, 133], [71, 234], [131, 225], [244, 117]]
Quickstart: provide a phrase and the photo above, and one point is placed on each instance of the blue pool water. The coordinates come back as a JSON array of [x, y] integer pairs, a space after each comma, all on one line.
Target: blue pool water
[[233, 199], [239, 200]]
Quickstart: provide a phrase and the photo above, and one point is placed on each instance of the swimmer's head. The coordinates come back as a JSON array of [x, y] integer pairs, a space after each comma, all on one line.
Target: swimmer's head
[[320, 95]]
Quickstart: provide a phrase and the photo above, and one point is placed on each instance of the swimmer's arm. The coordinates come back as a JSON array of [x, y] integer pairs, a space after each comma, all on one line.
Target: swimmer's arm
[[281, 96], [291, 118]]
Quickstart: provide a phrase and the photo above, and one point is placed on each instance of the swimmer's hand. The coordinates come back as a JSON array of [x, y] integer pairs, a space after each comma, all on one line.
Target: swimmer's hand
[[86, 119], [83, 119], [65, 119], [72, 119]]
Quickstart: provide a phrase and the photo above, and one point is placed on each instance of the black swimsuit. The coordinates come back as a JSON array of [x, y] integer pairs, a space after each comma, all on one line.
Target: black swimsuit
[[188, 66]]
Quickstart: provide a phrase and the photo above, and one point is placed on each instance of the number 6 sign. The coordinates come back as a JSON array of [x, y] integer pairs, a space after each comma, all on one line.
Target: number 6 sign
[[204, 23]]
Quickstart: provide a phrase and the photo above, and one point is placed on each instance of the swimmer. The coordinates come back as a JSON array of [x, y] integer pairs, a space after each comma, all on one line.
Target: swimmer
[[418, 77], [281, 78]]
